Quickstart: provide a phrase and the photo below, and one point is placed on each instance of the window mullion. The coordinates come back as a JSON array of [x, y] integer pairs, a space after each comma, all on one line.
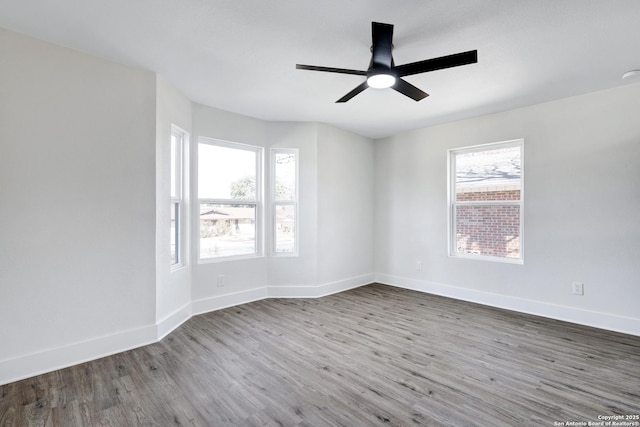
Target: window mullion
[[488, 202]]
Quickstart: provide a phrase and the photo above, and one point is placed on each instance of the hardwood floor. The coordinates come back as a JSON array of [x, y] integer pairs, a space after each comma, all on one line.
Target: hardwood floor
[[375, 355]]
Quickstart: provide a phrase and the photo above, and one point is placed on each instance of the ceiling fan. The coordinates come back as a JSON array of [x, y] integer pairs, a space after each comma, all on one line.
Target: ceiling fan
[[383, 73]]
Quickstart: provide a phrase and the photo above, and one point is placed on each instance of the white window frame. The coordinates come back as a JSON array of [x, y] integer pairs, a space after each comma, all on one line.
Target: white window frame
[[453, 203], [259, 251], [277, 203], [176, 194]]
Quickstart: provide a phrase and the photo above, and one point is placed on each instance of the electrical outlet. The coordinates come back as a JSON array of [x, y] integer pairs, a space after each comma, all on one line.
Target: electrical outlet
[[419, 266], [578, 288], [220, 280]]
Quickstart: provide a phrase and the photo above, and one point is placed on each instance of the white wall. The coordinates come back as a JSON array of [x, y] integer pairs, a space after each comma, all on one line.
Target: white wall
[[345, 206], [173, 286], [77, 209], [251, 279], [336, 211], [581, 198], [301, 271], [84, 208], [244, 280]]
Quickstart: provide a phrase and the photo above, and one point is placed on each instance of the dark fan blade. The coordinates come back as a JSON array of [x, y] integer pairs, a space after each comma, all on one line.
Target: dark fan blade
[[354, 92], [409, 90], [382, 41], [455, 60], [331, 70]]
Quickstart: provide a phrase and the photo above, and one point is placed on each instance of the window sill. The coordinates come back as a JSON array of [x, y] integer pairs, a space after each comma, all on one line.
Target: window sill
[[488, 258], [229, 258], [178, 267]]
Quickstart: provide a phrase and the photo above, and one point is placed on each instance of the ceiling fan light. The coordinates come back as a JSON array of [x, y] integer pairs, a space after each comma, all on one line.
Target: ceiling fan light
[[381, 81]]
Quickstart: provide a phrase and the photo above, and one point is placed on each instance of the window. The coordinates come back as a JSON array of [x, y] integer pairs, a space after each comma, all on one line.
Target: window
[[284, 167], [229, 193], [486, 201], [177, 188]]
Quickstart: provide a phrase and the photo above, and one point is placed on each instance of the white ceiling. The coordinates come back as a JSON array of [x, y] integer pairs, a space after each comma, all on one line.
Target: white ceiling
[[240, 56]]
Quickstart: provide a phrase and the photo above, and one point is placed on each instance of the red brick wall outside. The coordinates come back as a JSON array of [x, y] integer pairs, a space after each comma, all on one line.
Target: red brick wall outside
[[488, 230]]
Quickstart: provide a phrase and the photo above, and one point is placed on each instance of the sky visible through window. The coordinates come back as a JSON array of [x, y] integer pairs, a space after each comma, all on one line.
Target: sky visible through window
[[285, 176], [492, 165], [219, 167]]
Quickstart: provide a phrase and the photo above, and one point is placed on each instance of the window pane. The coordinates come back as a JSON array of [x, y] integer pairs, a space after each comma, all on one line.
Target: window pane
[[175, 166], [285, 228], [285, 173], [226, 173], [492, 174], [227, 230], [175, 224], [490, 230]]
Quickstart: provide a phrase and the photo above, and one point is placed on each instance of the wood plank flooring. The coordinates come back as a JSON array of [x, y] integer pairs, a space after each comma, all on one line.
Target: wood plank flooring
[[375, 355]]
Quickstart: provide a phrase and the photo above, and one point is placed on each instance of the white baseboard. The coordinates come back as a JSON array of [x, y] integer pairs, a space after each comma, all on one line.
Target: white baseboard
[[321, 290], [33, 364], [62, 357], [165, 326], [30, 365], [606, 321], [219, 302], [50, 360]]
